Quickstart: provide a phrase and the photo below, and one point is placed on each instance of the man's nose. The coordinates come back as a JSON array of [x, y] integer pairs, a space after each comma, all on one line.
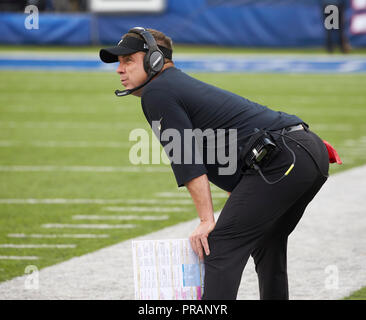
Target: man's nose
[[120, 68]]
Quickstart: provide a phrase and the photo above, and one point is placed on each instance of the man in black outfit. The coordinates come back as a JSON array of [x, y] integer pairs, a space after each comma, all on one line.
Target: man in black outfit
[[259, 214]]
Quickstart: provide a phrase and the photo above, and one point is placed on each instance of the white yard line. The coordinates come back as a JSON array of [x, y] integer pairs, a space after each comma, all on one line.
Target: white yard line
[[6, 143], [87, 226], [66, 144], [96, 217], [187, 195], [160, 201], [96, 201], [37, 246], [71, 125], [56, 236], [65, 110], [331, 127], [46, 168], [146, 209], [330, 237], [18, 258]]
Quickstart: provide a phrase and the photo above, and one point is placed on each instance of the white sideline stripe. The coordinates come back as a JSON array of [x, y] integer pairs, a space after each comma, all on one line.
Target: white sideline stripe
[[18, 258], [94, 217], [84, 169], [38, 246], [55, 236], [187, 195], [88, 226], [146, 209], [96, 201]]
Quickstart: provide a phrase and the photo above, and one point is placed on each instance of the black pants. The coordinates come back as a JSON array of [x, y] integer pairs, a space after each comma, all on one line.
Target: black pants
[[258, 218]]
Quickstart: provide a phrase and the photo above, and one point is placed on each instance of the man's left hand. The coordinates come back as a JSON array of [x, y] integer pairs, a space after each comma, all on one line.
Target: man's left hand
[[199, 236]]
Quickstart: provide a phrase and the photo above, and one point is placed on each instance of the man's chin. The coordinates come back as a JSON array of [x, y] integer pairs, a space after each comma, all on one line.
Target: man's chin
[[129, 87], [126, 86]]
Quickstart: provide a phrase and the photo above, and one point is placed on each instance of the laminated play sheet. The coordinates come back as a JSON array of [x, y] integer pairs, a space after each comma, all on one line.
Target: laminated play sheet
[[167, 270]]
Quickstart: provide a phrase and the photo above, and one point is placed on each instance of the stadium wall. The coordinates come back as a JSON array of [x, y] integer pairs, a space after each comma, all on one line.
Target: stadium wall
[[212, 22]]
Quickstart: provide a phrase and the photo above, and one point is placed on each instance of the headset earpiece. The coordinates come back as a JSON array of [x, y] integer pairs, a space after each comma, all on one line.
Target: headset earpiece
[[154, 59]]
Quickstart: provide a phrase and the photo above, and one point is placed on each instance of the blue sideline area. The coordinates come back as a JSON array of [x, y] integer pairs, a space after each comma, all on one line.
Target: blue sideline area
[[276, 23], [278, 64]]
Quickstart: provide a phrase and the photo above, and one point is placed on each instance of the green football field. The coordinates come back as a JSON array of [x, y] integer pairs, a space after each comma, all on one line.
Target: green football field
[[64, 155]]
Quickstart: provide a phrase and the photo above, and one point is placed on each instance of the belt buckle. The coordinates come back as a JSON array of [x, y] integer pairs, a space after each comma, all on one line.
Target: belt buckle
[[295, 128]]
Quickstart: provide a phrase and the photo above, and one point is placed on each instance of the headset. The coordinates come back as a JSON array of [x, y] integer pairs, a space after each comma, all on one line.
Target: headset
[[153, 61]]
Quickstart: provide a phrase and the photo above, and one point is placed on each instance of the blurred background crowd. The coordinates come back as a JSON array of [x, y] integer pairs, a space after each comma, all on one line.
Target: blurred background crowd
[[45, 5], [244, 23]]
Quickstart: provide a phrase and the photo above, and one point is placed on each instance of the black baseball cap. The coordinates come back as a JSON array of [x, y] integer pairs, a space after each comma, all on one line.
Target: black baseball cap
[[128, 45]]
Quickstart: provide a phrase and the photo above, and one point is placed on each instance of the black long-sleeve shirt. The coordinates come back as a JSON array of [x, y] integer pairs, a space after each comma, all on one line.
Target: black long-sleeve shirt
[[177, 101]]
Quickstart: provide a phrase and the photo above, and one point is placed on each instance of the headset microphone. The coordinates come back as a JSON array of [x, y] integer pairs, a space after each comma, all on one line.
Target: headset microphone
[[122, 93]]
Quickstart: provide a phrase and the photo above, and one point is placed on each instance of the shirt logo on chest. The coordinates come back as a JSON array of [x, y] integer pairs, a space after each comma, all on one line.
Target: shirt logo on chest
[[159, 126]]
